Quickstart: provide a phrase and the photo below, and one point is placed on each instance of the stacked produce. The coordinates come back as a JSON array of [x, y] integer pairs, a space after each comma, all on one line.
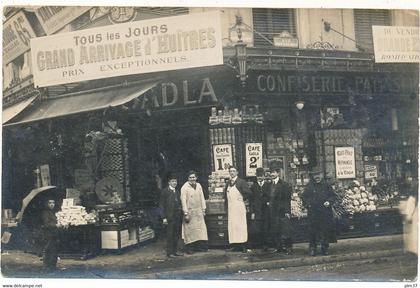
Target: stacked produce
[[296, 205], [75, 216], [357, 199]]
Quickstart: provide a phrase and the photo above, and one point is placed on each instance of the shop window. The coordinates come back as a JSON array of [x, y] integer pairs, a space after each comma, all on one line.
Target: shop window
[[270, 22], [363, 21]]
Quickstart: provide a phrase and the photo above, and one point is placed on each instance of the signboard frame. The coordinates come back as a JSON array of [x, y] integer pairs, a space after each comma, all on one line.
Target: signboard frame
[[17, 34], [396, 44], [137, 47]]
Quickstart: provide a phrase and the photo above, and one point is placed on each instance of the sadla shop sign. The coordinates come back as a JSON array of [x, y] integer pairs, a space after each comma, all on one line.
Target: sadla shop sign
[[160, 44]]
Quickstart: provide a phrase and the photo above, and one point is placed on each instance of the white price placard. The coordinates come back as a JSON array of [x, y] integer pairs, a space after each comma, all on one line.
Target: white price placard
[[345, 167], [253, 157], [223, 158], [371, 171]]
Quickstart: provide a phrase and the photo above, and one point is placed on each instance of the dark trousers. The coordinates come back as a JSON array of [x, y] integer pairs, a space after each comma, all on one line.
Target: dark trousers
[[196, 246], [265, 232], [50, 251], [316, 237], [281, 233], [173, 233], [320, 232]]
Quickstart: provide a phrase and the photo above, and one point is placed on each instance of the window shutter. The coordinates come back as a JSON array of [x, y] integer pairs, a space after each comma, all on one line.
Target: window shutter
[[269, 22], [363, 21]]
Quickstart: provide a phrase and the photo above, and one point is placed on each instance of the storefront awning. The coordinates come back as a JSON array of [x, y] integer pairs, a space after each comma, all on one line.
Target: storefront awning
[[14, 110], [80, 102]]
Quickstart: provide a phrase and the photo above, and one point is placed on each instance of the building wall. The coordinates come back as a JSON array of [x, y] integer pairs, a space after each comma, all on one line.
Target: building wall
[[405, 18], [340, 19], [228, 19]]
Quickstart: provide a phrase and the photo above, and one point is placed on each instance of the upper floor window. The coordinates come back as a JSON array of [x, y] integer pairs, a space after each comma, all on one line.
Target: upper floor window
[[363, 21], [270, 22]]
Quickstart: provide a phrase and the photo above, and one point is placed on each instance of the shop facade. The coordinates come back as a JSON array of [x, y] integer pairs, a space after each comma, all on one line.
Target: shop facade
[[297, 108]]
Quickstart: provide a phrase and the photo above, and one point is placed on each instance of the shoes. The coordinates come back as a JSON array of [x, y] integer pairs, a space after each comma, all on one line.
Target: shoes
[[245, 250], [178, 254], [312, 252], [170, 255], [281, 250]]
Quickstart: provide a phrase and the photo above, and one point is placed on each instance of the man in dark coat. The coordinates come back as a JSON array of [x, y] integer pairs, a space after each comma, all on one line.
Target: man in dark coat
[[280, 225], [260, 212], [318, 198], [49, 228], [171, 213]]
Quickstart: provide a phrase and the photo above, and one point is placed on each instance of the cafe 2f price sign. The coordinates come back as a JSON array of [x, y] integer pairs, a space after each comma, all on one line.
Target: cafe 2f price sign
[[345, 167], [223, 158], [253, 157]]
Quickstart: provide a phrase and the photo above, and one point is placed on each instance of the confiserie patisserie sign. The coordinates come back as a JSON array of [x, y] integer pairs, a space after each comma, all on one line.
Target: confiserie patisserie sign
[[161, 44]]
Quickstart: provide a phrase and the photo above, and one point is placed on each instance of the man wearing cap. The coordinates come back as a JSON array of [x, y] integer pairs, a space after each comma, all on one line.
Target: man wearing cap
[[280, 225], [318, 198], [171, 213], [260, 213]]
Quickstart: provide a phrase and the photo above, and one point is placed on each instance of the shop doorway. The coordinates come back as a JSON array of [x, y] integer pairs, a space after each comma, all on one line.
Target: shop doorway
[[170, 143]]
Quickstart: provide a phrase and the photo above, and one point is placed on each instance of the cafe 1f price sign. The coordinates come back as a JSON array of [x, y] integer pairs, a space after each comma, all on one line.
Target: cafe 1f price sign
[[253, 157], [223, 158], [345, 167]]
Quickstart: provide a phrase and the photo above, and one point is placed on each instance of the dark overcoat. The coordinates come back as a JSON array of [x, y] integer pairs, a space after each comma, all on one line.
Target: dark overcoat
[[49, 227], [170, 204], [280, 197], [320, 218], [259, 200]]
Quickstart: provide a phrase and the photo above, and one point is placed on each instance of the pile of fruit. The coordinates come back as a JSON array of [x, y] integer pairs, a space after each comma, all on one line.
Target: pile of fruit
[[357, 199], [297, 209]]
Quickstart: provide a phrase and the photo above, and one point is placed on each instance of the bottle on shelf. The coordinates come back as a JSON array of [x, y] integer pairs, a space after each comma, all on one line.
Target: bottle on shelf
[[213, 120], [227, 117], [236, 118], [258, 115]]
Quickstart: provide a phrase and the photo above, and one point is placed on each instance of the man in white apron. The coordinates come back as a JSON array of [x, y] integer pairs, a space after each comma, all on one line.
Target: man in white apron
[[236, 191], [194, 207]]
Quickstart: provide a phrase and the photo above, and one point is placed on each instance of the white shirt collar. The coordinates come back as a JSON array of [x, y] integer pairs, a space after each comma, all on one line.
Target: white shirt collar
[[276, 180]]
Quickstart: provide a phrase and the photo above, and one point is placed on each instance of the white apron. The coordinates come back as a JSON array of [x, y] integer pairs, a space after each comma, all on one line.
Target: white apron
[[193, 202], [237, 227]]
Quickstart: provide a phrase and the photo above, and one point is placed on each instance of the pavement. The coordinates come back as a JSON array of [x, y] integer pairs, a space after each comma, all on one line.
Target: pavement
[[150, 261]]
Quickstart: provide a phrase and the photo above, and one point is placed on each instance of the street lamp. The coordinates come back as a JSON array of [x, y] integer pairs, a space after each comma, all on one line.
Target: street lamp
[[236, 32]]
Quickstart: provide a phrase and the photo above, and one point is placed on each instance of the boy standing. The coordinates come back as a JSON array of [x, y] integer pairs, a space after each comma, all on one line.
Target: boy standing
[[171, 212]]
